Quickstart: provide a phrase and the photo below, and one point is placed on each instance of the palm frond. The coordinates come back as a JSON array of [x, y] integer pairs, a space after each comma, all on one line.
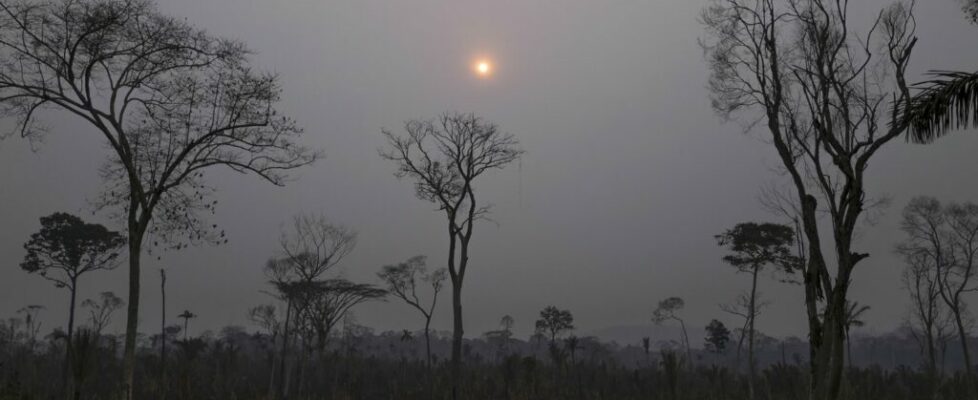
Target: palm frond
[[947, 102]]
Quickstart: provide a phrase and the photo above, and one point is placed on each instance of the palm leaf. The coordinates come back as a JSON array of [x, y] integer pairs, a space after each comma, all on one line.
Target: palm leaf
[[947, 102]]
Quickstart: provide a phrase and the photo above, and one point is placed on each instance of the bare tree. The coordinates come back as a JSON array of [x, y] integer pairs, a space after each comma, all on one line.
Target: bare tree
[[929, 319], [741, 307], [946, 237], [402, 281], [169, 100], [100, 313], [315, 245], [668, 309], [820, 90], [444, 159]]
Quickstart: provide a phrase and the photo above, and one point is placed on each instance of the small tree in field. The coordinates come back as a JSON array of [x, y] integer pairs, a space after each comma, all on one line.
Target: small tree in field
[[668, 309], [169, 100], [65, 249], [100, 312], [402, 281], [554, 322], [717, 337], [187, 316], [444, 159]]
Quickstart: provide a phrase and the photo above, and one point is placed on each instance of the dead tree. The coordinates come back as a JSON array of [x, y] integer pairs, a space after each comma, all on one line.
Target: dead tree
[[444, 158], [820, 89], [946, 237], [401, 281]]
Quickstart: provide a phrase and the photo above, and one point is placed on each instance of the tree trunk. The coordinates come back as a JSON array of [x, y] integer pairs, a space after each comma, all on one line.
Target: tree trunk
[[135, 235], [427, 340], [427, 347], [283, 354], [963, 336], [689, 353], [752, 312], [456, 338], [71, 330], [163, 385]]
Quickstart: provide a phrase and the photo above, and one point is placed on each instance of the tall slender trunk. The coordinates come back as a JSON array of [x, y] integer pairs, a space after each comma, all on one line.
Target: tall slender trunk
[[752, 312], [427, 340], [135, 236], [283, 354], [963, 337], [163, 385], [456, 338], [71, 330], [689, 353], [457, 331]]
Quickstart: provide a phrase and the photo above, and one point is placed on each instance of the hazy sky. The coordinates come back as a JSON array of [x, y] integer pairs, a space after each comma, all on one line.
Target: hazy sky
[[627, 176]]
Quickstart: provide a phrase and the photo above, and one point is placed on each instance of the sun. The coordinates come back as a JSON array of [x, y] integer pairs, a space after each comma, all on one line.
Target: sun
[[483, 68]]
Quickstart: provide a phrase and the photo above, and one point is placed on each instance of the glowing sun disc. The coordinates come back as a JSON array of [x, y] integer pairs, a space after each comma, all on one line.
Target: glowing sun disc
[[483, 68]]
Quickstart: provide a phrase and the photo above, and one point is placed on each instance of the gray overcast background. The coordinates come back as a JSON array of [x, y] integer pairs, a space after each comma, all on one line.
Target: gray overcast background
[[627, 175]]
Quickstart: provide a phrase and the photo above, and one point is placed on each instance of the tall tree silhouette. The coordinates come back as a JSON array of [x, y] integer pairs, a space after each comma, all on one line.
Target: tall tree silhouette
[[169, 100], [444, 158], [100, 312], [311, 248], [65, 249], [754, 246], [947, 237], [401, 281], [810, 78], [928, 320]]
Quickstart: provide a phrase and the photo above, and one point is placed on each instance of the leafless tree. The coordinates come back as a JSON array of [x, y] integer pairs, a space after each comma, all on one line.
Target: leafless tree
[[170, 101], [741, 307], [401, 281], [820, 90], [926, 310], [444, 158], [100, 312], [314, 246], [946, 239]]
